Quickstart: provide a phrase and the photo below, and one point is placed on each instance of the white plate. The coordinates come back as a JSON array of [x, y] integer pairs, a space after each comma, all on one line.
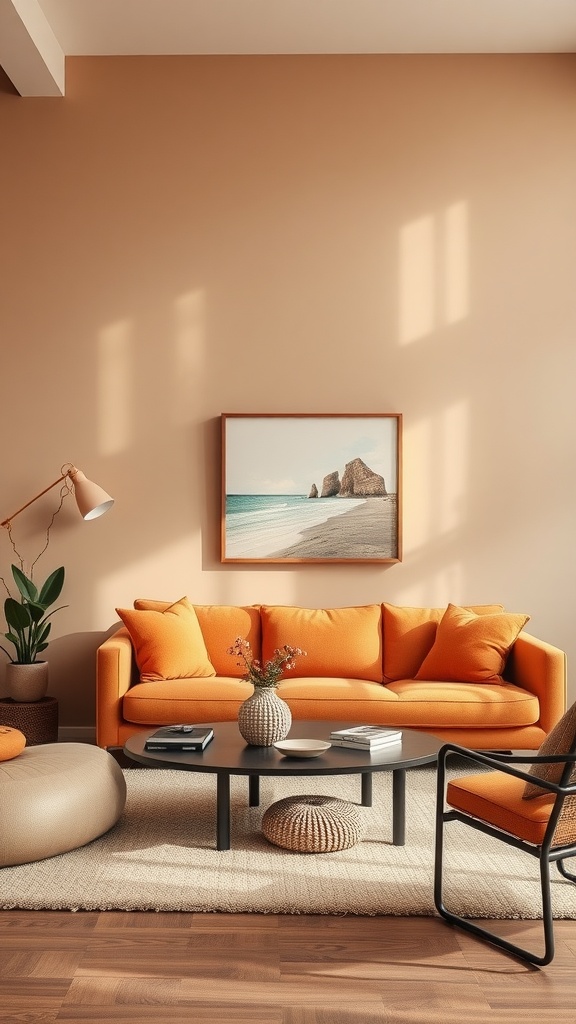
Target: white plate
[[302, 748]]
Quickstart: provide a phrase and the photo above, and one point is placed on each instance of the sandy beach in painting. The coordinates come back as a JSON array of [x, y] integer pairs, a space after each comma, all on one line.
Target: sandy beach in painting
[[369, 530]]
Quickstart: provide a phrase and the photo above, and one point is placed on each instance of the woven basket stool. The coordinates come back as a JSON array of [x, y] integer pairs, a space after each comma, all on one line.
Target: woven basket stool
[[312, 824], [55, 797]]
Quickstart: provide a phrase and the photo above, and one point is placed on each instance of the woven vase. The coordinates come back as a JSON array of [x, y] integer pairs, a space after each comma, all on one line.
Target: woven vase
[[264, 718]]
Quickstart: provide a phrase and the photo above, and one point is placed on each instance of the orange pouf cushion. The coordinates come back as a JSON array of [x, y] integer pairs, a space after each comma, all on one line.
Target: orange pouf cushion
[[12, 742]]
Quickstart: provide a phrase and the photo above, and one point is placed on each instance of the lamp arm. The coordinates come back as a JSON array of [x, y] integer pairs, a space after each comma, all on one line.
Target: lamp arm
[[60, 479]]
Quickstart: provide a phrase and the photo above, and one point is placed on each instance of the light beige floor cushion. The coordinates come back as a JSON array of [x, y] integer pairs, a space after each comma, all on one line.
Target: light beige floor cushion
[[55, 797]]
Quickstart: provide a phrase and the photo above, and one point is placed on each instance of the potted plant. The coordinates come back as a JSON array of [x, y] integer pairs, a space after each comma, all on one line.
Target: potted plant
[[27, 621]]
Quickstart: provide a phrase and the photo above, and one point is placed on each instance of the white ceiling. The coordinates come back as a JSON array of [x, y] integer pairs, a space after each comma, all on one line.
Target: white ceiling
[[36, 35]]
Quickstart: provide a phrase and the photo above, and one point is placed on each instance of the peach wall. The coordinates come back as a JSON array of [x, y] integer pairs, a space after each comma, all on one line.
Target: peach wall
[[188, 236]]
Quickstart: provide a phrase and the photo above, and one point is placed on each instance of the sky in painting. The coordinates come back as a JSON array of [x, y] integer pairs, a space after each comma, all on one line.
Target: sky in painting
[[286, 455]]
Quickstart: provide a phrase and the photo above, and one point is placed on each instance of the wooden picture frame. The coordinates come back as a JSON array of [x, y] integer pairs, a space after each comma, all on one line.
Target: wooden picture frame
[[311, 488]]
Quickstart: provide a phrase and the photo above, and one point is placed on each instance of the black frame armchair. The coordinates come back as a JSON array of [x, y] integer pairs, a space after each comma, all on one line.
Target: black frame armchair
[[562, 819]]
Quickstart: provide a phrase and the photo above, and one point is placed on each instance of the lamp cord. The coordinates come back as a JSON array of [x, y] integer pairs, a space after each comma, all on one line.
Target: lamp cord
[[65, 489]]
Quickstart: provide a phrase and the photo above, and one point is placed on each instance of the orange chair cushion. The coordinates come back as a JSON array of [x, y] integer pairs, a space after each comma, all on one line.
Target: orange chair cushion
[[12, 742], [409, 634], [167, 644], [497, 799], [559, 741], [220, 625], [338, 641], [471, 648]]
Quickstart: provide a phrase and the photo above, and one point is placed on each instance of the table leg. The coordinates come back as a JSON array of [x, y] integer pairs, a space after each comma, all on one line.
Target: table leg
[[253, 790], [223, 811], [399, 807], [366, 791]]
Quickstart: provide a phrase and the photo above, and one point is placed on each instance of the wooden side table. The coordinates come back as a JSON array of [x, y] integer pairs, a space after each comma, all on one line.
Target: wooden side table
[[37, 719]]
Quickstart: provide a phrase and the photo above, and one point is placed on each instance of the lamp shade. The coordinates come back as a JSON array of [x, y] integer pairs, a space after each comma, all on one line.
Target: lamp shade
[[92, 500]]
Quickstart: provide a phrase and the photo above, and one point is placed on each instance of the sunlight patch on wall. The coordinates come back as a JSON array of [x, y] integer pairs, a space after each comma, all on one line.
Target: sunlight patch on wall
[[456, 259], [433, 272], [189, 348], [436, 448], [417, 279], [418, 484], [115, 358], [451, 472]]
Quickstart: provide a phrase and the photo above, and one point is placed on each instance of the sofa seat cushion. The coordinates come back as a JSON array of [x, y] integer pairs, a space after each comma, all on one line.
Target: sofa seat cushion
[[338, 699], [431, 704], [324, 688], [185, 700]]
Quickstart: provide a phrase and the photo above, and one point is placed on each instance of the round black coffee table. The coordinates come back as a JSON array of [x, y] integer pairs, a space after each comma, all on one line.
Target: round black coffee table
[[228, 754]]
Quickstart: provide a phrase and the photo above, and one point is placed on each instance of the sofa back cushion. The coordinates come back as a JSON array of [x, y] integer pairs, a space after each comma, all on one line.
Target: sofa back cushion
[[167, 644], [220, 625], [471, 648], [409, 634], [338, 641]]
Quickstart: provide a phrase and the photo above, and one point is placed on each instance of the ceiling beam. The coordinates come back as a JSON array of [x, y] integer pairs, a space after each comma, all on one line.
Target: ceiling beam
[[29, 51]]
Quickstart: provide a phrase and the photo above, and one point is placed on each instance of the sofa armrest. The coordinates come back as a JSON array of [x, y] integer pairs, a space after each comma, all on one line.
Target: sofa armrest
[[114, 676], [540, 668]]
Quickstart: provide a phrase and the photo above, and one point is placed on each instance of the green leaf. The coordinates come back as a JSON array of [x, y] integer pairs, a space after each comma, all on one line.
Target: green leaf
[[51, 590], [25, 586], [36, 611], [43, 632], [41, 647], [17, 615]]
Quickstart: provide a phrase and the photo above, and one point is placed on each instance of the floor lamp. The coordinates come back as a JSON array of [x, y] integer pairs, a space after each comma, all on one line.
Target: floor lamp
[[91, 499]]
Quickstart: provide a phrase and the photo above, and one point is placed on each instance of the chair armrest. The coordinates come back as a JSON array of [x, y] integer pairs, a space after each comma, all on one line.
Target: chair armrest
[[114, 676], [540, 668]]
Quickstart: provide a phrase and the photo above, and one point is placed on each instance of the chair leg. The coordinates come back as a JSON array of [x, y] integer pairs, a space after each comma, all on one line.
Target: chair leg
[[483, 933], [564, 871]]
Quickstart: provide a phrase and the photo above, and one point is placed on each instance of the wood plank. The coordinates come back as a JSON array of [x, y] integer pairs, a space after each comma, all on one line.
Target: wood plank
[[135, 968]]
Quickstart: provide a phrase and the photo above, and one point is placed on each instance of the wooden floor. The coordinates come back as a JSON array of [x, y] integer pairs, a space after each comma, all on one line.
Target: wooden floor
[[221, 969]]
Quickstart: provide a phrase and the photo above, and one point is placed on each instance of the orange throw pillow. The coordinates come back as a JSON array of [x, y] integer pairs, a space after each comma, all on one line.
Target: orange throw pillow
[[220, 625], [409, 634], [168, 644], [471, 648]]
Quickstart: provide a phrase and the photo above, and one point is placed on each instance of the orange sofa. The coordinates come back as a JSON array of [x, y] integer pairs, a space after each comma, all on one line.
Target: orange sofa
[[469, 675]]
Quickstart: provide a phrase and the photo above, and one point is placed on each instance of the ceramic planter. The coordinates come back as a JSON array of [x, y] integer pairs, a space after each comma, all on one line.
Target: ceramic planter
[[27, 682]]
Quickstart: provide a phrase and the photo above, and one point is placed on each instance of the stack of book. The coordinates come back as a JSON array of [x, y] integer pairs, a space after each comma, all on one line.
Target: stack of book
[[365, 737], [180, 737]]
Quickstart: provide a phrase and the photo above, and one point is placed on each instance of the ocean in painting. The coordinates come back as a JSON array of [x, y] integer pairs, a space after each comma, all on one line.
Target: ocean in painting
[[258, 525]]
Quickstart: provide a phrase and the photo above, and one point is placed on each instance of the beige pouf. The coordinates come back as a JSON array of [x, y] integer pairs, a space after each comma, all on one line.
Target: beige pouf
[[312, 824], [55, 797]]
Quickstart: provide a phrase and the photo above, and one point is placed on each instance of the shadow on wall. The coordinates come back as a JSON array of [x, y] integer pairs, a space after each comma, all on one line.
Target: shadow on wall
[[72, 674]]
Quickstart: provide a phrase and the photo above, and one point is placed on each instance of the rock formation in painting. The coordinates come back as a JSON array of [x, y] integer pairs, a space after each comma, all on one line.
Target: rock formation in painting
[[358, 481], [313, 491], [330, 485]]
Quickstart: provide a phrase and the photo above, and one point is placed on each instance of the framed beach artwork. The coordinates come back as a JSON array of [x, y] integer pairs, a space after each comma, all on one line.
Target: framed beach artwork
[[311, 488]]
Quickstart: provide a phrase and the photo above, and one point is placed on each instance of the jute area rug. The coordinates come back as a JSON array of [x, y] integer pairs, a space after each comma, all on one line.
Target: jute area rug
[[161, 856]]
